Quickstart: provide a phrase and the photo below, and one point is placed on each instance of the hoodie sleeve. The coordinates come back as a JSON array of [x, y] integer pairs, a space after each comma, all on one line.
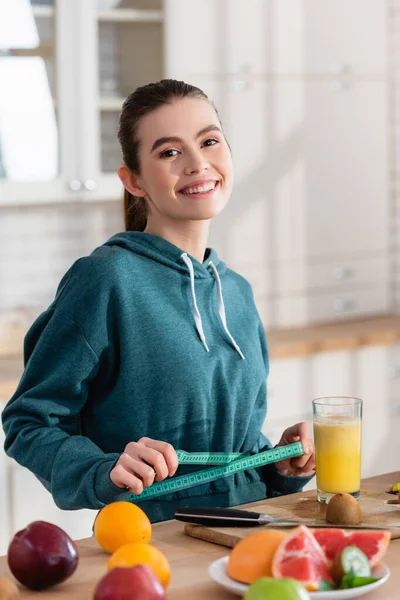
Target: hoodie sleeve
[[41, 421]]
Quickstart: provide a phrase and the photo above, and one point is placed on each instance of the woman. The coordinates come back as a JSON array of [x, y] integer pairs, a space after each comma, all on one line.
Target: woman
[[152, 343]]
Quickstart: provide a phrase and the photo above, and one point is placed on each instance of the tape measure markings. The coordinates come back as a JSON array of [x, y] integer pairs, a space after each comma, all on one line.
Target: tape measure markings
[[205, 476], [207, 458]]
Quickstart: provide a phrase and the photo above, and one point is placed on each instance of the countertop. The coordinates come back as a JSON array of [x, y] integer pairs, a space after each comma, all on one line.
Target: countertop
[[189, 559], [282, 343]]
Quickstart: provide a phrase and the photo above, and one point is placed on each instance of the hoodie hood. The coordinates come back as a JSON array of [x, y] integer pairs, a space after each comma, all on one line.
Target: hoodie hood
[[162, 251]]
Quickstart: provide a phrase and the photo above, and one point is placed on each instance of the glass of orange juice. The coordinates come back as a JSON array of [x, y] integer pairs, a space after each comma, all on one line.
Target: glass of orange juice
[[337, 438]]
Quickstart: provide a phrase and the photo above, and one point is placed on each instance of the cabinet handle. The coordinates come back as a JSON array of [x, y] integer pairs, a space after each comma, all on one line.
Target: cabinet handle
[[90, 185], [239, 69], [239, 85], [394, 372], [75, 185], [340, 305], [395, 410], [339, 85], [338, 68], [340, 273]]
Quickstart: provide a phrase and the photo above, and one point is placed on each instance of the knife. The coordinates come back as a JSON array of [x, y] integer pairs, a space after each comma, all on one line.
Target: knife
[[234, 517]]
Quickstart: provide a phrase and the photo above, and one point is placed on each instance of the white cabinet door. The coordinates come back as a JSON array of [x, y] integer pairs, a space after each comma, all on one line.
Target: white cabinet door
[[376, 368], [217, 37], [332, 374], [329, 201], [320, 36], [5, 529], [37, 106], [393, 373], [287, 390], [276, 37], [32, 502], [112, 64]]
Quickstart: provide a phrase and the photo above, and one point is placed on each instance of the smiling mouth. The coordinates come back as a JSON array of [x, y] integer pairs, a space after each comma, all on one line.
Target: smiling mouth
[[200, 190]]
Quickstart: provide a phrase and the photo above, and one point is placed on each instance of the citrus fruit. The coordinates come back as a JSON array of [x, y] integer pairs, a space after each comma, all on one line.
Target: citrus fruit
[[373, 543], [119, 523], [300, 557], [252, 556], [276, 589], [138, 553]]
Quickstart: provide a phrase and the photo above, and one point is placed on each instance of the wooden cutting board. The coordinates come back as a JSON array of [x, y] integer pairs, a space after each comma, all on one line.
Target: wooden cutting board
[[305, 508]]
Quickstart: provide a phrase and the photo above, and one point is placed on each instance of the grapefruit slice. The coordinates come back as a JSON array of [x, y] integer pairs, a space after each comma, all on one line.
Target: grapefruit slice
[[373, 543], [300, 557]]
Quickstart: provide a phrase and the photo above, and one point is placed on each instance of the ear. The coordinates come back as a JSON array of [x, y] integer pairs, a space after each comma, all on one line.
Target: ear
[[130, 181]]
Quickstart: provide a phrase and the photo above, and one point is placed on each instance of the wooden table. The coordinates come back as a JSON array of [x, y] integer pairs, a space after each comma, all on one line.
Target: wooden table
[[189, 559]]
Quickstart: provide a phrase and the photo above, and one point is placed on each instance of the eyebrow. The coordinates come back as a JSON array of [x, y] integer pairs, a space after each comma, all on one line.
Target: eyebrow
[[165, 140]]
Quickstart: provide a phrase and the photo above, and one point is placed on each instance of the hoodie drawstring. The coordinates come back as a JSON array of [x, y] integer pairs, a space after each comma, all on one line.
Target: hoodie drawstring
[[196, 313], [221, 305]]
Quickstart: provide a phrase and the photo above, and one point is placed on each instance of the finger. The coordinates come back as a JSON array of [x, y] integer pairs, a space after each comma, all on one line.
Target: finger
[[156, 460], [139, 468], [303, 432], [307, 469], [124, 479], [167, 450], [290, 435], [300, 461]]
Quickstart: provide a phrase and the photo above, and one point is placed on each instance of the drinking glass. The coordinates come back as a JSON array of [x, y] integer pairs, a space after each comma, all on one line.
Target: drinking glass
[[337, 437]]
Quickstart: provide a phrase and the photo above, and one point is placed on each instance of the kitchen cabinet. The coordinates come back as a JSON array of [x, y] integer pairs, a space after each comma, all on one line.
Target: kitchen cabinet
[[292, 37], [79, 64]]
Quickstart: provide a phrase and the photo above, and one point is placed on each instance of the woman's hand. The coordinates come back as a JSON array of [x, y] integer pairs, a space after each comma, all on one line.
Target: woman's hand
[[143, 462], [301, 465]]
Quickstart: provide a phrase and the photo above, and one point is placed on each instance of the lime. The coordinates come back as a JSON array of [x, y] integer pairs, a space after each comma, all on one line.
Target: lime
[[266, 588]]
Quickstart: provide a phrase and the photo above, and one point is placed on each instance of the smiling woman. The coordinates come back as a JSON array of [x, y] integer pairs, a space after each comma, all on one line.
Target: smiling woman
[[152, 343], [173, 146]]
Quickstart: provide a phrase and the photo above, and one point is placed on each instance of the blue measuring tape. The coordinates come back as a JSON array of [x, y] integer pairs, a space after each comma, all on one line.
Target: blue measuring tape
[[233, 463]]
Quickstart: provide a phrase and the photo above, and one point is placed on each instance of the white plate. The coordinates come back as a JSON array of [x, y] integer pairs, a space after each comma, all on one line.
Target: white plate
[[217, 572]]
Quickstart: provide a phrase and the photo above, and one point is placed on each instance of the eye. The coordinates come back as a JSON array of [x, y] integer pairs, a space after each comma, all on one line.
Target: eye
[[167, 153], [211, 142]]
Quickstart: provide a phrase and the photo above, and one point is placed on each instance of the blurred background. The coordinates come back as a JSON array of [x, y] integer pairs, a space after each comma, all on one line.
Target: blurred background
[[309, 96]]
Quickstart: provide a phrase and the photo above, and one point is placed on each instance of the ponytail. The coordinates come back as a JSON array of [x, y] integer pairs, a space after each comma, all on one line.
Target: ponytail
[[135, 212]]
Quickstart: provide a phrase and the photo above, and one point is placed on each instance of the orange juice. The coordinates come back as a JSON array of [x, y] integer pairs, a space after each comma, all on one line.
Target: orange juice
[[338, 454]]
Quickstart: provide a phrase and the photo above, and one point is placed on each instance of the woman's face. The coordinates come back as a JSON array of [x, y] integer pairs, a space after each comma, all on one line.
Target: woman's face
[[185, 161]]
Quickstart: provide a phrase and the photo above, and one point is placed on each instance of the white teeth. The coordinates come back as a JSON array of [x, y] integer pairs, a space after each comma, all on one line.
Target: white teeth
[[201, 188]]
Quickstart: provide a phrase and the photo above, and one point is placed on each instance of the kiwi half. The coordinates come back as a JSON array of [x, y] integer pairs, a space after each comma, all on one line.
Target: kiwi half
[[343, 509], [350, 559]]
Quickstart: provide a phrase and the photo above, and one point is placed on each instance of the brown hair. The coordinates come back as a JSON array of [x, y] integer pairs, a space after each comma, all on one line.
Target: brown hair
[[141, 102]]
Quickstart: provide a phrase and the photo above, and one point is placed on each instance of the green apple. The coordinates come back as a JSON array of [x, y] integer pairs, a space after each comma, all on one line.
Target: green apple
[[276, 589]]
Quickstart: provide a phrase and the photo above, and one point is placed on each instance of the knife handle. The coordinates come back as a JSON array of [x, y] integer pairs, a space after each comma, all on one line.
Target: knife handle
[[218, 517]]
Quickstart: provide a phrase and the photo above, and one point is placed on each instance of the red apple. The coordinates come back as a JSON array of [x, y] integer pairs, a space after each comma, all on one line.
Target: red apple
[[130, 583], [42, 555]]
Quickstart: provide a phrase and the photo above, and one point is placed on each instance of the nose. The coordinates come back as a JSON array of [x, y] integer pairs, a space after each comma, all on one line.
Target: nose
[[196, 163]]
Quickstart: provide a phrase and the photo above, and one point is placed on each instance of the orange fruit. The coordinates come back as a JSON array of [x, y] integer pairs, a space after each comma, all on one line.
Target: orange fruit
[[251, 558], [138, 553], [120, 523]]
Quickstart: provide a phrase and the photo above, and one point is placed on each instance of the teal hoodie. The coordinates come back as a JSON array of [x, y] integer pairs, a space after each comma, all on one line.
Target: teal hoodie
[[143, 340]]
